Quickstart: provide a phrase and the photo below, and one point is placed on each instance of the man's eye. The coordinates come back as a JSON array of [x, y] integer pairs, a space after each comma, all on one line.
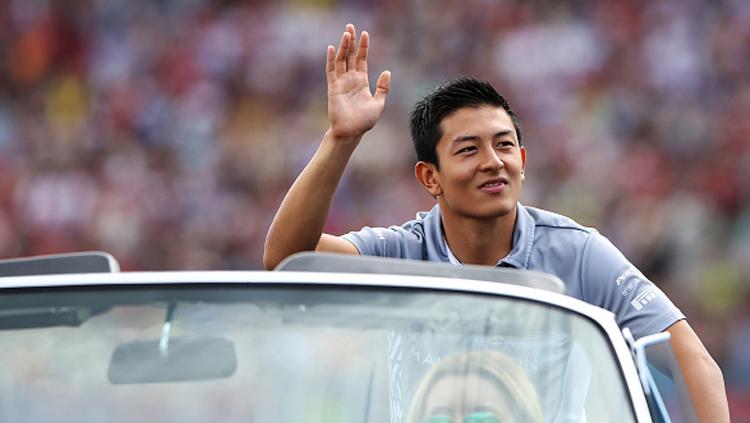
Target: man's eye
[[505, 144], [466, 150]]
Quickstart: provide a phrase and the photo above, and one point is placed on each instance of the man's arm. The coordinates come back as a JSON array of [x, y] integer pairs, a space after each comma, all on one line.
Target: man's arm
[[613, 283], [703, 376], [352, 111]]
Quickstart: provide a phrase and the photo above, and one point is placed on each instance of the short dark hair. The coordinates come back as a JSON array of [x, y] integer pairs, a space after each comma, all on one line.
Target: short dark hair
[[447, 98]]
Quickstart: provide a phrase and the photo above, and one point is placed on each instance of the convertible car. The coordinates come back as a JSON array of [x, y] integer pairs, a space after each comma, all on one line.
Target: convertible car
[[323, 338]]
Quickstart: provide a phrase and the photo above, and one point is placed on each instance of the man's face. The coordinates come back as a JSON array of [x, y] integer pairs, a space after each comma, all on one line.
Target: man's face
[[481, 163]]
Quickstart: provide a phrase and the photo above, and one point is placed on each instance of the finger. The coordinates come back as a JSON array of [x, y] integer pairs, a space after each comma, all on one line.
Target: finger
[[352, 52], [364, 45], [383, 87], [330, 65], [340, 60]]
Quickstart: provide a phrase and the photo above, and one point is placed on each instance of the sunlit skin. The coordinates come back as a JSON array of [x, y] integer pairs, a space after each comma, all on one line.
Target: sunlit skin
[[479, 181], [457, 396]]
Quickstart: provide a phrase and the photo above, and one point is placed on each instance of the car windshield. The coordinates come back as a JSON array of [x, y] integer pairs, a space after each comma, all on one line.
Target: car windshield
[[266, 353]]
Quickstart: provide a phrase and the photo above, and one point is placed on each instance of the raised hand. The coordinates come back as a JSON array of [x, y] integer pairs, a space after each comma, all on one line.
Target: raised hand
[[352, 108]]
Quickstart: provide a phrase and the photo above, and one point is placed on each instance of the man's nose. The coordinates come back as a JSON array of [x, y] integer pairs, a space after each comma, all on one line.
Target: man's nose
[[490, 160]]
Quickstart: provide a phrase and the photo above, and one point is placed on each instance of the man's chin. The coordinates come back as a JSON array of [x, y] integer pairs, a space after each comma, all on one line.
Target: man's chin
[[485, 211], [494, 213]]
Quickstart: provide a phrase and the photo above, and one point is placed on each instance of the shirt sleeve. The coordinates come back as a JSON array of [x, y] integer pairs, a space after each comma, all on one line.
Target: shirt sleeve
[[394, 241], [610, 281]]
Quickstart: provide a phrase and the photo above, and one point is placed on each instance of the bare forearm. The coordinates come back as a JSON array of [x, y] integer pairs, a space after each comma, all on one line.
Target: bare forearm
[[706, 386], [298, 223], [703, 376]]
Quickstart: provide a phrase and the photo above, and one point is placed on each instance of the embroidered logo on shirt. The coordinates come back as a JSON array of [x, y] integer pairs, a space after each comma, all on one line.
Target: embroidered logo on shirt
[[643, 299], [629, 281], [630, 286], [631, 271]]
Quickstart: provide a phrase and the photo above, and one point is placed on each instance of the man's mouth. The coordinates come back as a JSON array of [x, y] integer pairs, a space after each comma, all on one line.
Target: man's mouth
[[493, 186]]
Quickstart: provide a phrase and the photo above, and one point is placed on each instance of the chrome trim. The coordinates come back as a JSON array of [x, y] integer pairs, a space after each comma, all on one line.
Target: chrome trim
[[644, 373], [113, 263], [640, 354]]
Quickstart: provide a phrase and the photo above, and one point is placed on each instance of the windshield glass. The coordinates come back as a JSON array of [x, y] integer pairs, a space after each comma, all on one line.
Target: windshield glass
[[314, 354]]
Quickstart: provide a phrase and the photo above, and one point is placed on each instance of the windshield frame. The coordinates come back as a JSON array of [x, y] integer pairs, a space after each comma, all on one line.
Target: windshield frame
[[603, 319]]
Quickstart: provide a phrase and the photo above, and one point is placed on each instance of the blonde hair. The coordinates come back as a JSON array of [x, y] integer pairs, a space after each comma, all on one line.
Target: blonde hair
[[492, 366]]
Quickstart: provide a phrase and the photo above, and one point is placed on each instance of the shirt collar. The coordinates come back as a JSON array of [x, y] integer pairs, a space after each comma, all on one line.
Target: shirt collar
[[523, 237]]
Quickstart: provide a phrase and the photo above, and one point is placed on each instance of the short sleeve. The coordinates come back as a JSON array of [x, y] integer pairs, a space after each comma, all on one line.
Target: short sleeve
[[394, 241], [610, 281]]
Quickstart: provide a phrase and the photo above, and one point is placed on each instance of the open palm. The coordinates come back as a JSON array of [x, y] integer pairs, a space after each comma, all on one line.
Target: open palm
[[352, 109]]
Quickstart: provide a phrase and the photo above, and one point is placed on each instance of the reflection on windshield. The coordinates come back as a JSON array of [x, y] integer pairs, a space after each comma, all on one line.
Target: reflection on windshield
[[302, 354]]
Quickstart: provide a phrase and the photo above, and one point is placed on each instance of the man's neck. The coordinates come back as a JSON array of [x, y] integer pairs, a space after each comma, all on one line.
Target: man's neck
[[479, 241]]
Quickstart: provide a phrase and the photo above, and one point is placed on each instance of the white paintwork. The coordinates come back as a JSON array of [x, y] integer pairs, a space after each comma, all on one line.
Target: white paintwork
[[599, 316]]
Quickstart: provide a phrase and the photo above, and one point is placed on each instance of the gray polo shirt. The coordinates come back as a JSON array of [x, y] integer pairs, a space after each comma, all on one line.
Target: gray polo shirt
[[592, 268]]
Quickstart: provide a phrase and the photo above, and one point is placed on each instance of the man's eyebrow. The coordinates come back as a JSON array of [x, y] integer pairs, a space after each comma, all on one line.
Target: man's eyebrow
[[503, 133], [464, 138]]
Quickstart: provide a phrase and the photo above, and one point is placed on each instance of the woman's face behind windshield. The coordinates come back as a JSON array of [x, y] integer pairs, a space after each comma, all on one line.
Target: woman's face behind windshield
[[467, 398], [480, 386]]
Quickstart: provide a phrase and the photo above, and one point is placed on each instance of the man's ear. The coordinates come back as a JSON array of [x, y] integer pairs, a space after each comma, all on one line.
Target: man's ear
[[523, 162], [427, 175]]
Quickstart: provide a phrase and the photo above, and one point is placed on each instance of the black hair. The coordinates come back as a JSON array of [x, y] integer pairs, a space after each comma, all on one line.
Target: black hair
[[447, 98]]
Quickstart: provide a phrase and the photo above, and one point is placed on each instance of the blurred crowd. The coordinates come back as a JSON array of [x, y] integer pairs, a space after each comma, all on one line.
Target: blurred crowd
[[166, 132]]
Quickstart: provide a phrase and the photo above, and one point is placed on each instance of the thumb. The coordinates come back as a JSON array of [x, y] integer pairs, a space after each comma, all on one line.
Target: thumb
[[384, 86]]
